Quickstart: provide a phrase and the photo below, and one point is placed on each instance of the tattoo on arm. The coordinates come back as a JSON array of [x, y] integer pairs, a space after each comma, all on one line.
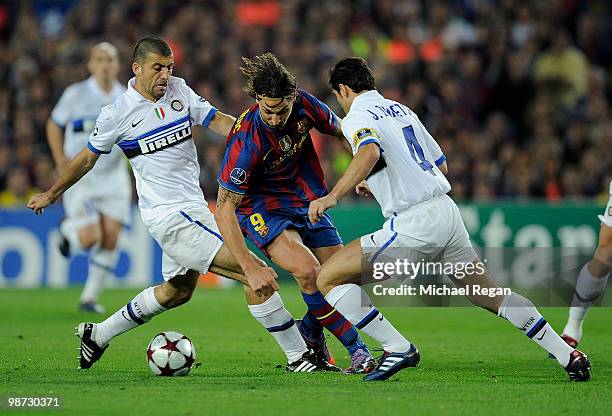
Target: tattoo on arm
[[227, 196]]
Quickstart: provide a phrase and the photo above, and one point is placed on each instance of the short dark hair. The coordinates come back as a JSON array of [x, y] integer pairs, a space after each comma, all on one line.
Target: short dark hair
[[148, 45], [353, 72], [266, 76]]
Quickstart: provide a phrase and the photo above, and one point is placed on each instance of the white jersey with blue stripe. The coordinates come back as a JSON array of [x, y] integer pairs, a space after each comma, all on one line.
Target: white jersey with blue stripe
[[76, 112], [156, 138], [407, 172]]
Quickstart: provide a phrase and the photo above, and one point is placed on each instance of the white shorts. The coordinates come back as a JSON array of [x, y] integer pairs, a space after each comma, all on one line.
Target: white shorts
[[430, 231], [83, 203], [606, 218], [190, 240]]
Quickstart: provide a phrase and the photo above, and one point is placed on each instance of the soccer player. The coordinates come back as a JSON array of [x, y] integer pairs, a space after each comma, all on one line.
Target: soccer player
[[151, 122], [592, 279], [98, 206], [269, 175], [405, 170]]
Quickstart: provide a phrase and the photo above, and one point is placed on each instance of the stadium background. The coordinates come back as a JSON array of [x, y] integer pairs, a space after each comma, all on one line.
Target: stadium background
[[517, 94]]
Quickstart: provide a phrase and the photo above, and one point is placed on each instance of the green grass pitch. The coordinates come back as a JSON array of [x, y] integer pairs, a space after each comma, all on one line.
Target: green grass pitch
[[472, 363]]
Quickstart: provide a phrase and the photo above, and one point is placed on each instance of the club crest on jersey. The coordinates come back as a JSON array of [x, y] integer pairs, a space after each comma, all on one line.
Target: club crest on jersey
[[160, 113], [362, 134], [285, 143], [238, 176], [176, 105]]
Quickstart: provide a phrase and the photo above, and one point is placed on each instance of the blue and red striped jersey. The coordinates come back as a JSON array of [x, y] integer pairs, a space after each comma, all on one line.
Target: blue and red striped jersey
[[277, 168]]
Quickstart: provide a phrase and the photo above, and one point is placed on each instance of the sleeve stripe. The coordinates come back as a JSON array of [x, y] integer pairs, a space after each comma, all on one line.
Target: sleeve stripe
[[440, 160], [230, 187], [96, 151], [368, 141], [209, 117]]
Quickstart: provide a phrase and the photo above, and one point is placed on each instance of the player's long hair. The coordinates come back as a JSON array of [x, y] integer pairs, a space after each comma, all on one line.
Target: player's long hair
[[267, 77]]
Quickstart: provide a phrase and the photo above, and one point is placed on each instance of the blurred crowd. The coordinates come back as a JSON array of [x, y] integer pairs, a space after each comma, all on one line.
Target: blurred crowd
[[517, 93]]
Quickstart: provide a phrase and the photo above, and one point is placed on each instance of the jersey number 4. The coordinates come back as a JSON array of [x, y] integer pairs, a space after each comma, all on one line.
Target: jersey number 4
[[416, 151]]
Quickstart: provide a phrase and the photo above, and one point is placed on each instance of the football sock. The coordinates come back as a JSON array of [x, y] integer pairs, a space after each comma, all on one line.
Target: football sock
[[278, 321], [311, 327], [349, 299], [70, 230], [588, 289], [524, 315], [333, 320], [101, 264], [138, 311]]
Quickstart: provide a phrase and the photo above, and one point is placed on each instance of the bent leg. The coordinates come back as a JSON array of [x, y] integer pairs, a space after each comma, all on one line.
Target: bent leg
[[147, 304], [591, 283], [102, 259], [288, 251], [519, 311], [338, 280]]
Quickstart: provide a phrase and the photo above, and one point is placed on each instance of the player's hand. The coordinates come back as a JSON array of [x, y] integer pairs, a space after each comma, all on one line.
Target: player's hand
[[39, 202], [363, 189], [262, 280], [317, 208]]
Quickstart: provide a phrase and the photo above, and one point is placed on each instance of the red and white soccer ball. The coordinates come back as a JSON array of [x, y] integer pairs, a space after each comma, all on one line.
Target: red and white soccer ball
[[170, 354]]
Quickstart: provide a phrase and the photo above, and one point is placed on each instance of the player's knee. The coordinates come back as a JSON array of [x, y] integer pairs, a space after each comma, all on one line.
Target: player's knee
[[175, 295], [306, 273], [89, 239], [324, 281]]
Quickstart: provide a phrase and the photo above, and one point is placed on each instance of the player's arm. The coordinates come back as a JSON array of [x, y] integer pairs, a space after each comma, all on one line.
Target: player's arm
[[443, 168], [357, 171], [340, 136], [222, 123], [75, 170], [55, 138], [257, 275]]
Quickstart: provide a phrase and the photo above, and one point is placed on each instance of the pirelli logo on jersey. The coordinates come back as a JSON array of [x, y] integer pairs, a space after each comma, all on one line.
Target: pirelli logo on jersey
[[149, 146], [362, 134], [158, 139]]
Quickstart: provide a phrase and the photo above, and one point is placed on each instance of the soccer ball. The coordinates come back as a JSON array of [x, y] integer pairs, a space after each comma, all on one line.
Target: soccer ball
[[170, 354]]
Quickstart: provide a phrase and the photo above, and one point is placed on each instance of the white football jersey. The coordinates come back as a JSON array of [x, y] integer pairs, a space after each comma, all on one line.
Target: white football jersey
[[76, 112], [407, 173], [156, 138]]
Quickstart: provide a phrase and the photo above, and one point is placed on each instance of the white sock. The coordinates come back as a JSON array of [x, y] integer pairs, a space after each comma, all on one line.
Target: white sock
[[278, 321], [588, 289], [348, 299], [101, 264], [138, 311], [524, 315], [70, 230]]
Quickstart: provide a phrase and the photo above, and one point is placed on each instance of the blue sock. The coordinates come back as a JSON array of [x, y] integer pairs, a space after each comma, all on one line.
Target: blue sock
[[311, 327], [334, 321]]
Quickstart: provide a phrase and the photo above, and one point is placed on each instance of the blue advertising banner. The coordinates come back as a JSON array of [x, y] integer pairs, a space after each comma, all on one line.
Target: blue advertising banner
[[29, 255]]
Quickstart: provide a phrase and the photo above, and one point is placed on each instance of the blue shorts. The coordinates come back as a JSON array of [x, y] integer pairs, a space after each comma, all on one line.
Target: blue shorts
[[262, 228]]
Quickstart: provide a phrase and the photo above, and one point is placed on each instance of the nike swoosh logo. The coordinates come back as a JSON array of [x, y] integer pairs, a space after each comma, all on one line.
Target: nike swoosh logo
[[540, 339], [381, 317], [126, 318], [137, 123], [372, 238]]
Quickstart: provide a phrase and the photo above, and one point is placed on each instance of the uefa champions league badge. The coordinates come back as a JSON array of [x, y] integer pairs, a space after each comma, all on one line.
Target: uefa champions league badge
[[238, 176]]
